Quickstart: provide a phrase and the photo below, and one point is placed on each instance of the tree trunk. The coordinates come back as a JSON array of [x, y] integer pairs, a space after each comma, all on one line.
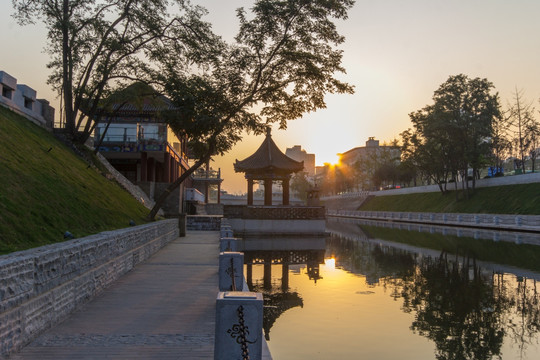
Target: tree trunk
[[66, 73], [475, 171], [161, 200], [96, 147]]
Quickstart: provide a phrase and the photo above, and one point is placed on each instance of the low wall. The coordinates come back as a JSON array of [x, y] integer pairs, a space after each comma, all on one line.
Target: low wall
[[274, 212], [204, 222], [40, 287], [256, 227], [489, 221]]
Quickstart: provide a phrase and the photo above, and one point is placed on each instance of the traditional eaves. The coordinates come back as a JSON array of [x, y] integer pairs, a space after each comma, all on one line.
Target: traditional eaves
[[268, 157]]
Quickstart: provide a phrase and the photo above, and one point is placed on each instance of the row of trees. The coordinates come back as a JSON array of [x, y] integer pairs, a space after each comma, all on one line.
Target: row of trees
[[463, 131], [281, 64]]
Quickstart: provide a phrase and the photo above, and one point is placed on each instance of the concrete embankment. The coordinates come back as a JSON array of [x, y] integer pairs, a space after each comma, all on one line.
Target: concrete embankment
[[529, 223]]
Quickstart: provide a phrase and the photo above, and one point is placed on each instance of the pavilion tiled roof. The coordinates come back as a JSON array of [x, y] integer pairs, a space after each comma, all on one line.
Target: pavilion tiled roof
[[268, 157]]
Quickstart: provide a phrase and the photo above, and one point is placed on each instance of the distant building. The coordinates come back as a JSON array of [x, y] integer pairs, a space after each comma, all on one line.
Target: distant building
[[371, 152], [298, 154], [22, 100], [365, 160]]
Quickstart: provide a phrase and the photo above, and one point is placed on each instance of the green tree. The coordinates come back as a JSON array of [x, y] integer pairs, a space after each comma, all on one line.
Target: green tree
[[281, 65], [500, 140], [533, 136], [469, 108], [427, 148], [95, 45], [453, 135]]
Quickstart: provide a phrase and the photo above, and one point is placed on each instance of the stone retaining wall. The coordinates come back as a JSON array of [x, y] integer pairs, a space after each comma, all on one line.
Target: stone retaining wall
[[41, 287], [204, 222]]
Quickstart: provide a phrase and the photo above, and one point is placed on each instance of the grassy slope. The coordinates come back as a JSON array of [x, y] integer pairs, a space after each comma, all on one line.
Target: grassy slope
[[43, 194], [511, 199]]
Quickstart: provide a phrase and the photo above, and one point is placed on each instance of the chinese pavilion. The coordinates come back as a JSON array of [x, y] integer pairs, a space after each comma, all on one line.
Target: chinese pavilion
[[268, 164]]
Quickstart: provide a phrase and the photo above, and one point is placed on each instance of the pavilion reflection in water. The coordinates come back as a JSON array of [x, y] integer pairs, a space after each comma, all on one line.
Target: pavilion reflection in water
[[269, 251]]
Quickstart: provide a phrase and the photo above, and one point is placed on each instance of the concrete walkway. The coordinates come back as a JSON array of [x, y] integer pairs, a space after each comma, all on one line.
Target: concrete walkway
[[162, 309]]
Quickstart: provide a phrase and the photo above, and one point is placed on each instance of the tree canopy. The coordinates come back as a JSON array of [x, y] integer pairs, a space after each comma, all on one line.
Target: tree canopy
[[454, 133], [97, 46], [281, 64]]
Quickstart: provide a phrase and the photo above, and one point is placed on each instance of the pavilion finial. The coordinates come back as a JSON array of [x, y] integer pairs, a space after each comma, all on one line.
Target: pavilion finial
[[268, 131]]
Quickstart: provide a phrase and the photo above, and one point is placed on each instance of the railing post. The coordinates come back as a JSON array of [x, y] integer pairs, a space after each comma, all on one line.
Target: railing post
[[231, 271], [226, 232], [228, 244], [239, 321]]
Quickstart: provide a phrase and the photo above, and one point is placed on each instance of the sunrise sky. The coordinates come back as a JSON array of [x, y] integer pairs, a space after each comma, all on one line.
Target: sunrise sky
[[396, 54]]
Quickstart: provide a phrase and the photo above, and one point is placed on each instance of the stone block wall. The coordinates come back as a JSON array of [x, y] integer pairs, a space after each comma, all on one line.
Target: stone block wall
[[204, 222], [41, 287]]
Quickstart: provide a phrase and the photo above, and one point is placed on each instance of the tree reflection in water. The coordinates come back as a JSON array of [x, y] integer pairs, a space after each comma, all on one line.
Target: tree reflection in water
[[465, 310]]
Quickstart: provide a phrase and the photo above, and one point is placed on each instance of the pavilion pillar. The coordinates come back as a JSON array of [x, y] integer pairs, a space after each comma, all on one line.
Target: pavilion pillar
[[267, 273], [250, 192], [249, 276], [285, 185], [268, 192], [285, 276], [144, 166]]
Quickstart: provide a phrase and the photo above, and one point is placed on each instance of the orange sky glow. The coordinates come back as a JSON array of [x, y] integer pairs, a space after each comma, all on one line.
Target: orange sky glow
[[396, 55]]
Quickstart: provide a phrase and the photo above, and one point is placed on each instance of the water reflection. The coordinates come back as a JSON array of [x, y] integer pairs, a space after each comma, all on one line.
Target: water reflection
[[465, 295], [286, 252]]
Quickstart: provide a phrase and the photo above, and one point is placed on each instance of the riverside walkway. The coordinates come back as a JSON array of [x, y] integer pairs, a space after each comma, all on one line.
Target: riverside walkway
[[163, 309]]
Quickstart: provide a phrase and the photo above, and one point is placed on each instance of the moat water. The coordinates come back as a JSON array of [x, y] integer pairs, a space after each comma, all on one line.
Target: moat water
[[371, 292]]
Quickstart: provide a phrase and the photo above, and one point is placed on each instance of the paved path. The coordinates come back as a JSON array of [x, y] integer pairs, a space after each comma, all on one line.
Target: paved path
[[162, 309]]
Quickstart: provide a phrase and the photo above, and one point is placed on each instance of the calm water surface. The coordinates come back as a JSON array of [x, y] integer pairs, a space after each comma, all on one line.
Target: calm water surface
[[375, 293]]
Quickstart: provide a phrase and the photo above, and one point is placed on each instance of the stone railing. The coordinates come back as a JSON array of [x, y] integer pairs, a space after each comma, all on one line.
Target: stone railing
[[239, 312], [342, 227], [274, 212], [41, 287], [492, 221]]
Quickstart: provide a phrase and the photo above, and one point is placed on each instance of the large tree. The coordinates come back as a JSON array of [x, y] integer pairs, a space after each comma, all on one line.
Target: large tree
[[281, 65], [453, 135], [95, 45]]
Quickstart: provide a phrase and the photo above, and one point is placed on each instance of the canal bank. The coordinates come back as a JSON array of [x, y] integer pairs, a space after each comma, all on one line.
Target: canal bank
[[164, 308], [525, 223]]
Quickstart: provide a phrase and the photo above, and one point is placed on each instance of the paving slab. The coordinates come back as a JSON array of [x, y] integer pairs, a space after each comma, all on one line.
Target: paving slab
[[163, 309]]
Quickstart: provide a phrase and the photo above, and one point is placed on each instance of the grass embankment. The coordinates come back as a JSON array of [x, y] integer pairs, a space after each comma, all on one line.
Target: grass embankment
[[44, 193], [511, 199]]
